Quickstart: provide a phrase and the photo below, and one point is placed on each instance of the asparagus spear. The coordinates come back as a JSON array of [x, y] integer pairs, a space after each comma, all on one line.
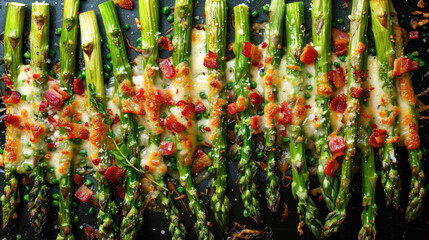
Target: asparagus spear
[[247, 167], [321, 22], [271, 80], [216, 30], [91, 47], [180, 84], [355, 67], [68, 42], [382, 28], [149, 10], [307, 211], [131, 206], [404, 85], [13, 35], [39, 41]]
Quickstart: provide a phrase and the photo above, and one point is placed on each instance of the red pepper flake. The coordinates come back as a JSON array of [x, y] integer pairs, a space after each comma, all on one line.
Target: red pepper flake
[[413, 35], [166, 148], [255, 98], [95, 161], [165, 43], [232, 108], [339, 103], [146, 167], [307, 106], [139, 26], [264, 45], [167, 68], [113, 173], [374, 126], [207, 129]]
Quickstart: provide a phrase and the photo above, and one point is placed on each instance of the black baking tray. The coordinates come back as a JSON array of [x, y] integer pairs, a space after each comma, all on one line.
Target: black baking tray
[[390, 223]]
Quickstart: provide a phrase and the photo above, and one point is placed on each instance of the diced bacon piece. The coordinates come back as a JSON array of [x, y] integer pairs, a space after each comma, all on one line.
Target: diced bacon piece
[[356, 92], [83, 193], [77, 131], [127, 88], [96, 161], [336, 144], [126, 4], [287, 114], [113, 173], [309, 55], [12, 119], [167, 68], [210, 60], [338, 34], [78, 87], [120, 192], [7, 80], [256, 124], [339, 103], [164, 97], [413, 35], [247, 48], [403, 65], [232, 108], [199, 107], [140, 93], [43, 105], [173, 125], [377, 138], [252, 51], [54, 98], [166, 148], [64, 94], [201, 161], [165, 43], [12, 98], [337, 77], [77, 179], [256, 98], [36, 131], [360, 47], [188, 108], [341, 47], [331, 167]]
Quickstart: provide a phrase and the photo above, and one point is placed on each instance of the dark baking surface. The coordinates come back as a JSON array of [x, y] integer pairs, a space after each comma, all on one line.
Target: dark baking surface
[[390, 223]]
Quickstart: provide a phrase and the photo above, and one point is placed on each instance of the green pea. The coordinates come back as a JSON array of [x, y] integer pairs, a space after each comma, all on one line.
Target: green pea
[[127, 27], [106, 75], [163, 115], [307, 95], [409, 55], [18, 237], [200, 138], [210, 169], [230, 85], [340, 21], [140, 127], [83, 152], [74, 204], [76, 218], [337, 64], [51, 53], [27, 188], [107, 68], [309, 87], [91, 211], [343, 58], [203, 95], [180, 189], [260, 154], [83, 74], [107, 46], [24, 97], [51, 169], [266, 8], [26, 197], [164, 86], [245, 213], [255, 14], [55, 203], [168, 139], [58, 31], [206, 115], [27, 54], [109, 56], [56, 196], [421, 63], [210, 154], [201, 128], [309, 75], [170, 18], [253, 84], [88, 182], [415, 59], [52, 73], [166, 10], [285, 139], [54, 181], [198, 116]]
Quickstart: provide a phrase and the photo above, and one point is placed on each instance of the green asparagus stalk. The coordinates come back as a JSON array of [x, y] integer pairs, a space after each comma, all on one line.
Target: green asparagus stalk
[[246, 166], [216, 31], [404, 85], [307, 210], [355, 65], [39, 41], [13, 35], [186, 139], [91, 47], [321, 22], [68, 42], [149, 15], [382, 29], [275, 40], [132, 204]]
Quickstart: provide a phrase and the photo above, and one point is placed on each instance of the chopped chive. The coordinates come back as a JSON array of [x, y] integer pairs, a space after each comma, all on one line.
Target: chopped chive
[[27, 167], [140, 127], [168, 139], [27, 188], [88, 182], [245, 213], [210, 169], [260, 112], [24, 97], [91, 211], [26, 197], [285, 139]]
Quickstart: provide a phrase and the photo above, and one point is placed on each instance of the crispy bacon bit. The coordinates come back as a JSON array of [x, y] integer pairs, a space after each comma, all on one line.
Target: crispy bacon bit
[[356, 92], [43, 105], [127, 88], [286, 116], [7, 80], [256, 98], [413, 35], [309, 54], [199, 107], [412, 141], [77, 179], [341, 41], [36, 131], [166, 148], [120, 192], [337, 77], [173, 125], [78, 87], [113, 173], [331, 167], [98, 131], [201, 161], [96, 161], [12, 119], [210, 60], [83, 193], [247, 48], [268, 59], [215, 84], [336, 144], [252, 51], [360, 47], [421, 4], [256, 123], [403, 65], [127, 4], [165, 43], [232, 108], [140, 93], [74, 130], [167, 68], [188, 108], [54, 98], [164, 97], [339, 103], [13, 97], [376, 140]]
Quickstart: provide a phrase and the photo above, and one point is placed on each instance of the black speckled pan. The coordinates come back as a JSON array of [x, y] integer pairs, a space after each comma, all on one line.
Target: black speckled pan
[[390, 223]]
